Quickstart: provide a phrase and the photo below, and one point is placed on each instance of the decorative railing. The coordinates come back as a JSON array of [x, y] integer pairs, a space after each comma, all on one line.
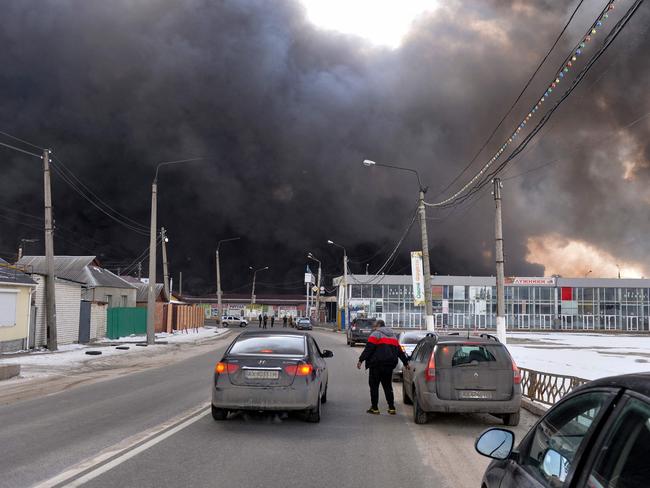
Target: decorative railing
[[547, 388]]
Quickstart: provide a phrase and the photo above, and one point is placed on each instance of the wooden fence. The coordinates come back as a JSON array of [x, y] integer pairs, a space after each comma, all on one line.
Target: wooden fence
[[547, 388]]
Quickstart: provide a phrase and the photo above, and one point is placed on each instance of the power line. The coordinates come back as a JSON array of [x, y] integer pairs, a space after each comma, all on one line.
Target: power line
[[85, 187], [21, 150], [140, 230], [539, 66], [21, 140], [458, 197]]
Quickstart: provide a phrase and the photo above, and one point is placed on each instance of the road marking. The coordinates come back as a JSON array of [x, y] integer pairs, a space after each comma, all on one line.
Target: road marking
[[114, 456]]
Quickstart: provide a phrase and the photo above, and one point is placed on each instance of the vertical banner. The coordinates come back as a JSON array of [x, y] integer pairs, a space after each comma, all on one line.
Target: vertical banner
[[417, 272]]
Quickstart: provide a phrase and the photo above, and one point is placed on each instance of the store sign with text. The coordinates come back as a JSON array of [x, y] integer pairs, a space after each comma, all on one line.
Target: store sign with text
[[522, 281], [417, 272]]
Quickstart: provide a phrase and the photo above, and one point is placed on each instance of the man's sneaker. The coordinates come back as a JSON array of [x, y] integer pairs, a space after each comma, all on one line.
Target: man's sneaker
[[392, 411], [373, 411]]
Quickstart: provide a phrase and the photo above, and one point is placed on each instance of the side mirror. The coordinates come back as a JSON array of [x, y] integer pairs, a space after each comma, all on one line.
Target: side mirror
[[326, 353], [495, 443], [555, 465]]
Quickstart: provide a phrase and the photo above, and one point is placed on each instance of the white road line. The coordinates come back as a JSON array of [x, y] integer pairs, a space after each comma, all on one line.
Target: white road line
[[151, 437]]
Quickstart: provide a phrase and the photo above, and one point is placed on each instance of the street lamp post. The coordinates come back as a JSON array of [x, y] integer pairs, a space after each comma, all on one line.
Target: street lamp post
[[254, 278], [428, 299], [346, 311], [219, 311], [151, 288], [311, 256]]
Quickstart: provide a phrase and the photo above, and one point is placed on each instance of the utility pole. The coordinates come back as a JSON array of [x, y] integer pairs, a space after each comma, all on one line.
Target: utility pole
[[346, 305], [498, 238], [318, 294], [164, 240], [151, 288], [50, 287], [139, 270], [219, 314], [180, 283], [218, 264], [428, 305]]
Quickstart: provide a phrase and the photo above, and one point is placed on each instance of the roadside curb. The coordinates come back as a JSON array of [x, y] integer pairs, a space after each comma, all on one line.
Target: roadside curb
[[534, 407]]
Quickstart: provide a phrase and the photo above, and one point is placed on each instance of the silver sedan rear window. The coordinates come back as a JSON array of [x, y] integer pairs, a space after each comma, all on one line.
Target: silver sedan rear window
[[275, 345]]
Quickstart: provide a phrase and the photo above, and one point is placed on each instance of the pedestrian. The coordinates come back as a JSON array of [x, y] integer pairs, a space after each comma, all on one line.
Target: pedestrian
[[260, 319], [291, 321], [272, 320], [284, 321], [265, 320], [381, 354]]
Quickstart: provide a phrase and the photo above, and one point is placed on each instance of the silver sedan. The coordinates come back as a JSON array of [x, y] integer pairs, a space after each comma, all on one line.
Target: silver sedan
[[271, 370], [407, 341]]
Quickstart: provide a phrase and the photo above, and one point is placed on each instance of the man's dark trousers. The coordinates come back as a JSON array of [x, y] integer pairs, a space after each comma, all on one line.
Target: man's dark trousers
[[383, 375]]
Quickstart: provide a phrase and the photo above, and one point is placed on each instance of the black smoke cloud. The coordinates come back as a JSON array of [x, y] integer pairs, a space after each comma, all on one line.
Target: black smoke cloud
[[286, 112]]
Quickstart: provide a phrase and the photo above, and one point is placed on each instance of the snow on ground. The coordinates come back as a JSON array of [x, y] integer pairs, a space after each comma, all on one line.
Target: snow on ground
[[73, 356], [587, 356]]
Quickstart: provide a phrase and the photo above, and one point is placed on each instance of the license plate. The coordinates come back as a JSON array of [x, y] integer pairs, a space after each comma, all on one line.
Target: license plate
[[261, 374], [474, 395]]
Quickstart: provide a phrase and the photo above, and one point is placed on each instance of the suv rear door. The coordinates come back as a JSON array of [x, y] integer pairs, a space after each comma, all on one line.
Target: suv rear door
[[473, 371]]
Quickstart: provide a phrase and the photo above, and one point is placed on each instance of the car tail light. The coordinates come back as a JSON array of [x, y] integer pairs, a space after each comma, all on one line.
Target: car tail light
[[353, 328], [225, 367], [516, 374], [430, 372], [300, 369]]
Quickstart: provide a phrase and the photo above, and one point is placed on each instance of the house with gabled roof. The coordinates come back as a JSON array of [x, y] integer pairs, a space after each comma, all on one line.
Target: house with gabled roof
[[16, 289]]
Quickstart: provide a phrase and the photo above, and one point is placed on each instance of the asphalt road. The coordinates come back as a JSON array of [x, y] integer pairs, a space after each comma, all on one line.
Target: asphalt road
[[41, 438]]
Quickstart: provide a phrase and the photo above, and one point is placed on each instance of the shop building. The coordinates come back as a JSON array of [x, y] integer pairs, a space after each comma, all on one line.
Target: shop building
[[538, 303]]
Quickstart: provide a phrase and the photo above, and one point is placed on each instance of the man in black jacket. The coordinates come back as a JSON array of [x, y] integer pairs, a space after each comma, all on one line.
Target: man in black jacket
[[381, 354]]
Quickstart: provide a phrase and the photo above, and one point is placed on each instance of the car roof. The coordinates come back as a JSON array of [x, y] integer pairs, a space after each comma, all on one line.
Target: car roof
[[637, 382], [268, 332], [460, 338]]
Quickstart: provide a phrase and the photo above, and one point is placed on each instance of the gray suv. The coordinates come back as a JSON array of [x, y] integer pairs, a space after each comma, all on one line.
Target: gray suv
[[359, 331], [454, 373]]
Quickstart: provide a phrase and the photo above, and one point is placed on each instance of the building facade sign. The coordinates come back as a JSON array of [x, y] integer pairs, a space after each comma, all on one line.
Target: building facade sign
[[417, 272], [520, 281]]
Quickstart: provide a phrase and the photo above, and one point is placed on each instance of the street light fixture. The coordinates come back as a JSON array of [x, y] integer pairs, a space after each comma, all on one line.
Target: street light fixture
[[254, 278], [219, 312], [346, 311], [428, 305], [151, 289]]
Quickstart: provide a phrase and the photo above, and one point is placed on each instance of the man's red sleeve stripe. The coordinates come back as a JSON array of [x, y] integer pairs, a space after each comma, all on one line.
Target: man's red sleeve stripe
[[384, 340]]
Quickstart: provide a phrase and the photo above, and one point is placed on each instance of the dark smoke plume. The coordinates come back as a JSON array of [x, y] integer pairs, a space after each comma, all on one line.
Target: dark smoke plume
[[286, 112]]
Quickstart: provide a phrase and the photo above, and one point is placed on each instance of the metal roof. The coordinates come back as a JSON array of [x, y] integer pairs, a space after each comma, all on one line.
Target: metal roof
[[13, 275], [143, 291], [82, 269], [356, 279]]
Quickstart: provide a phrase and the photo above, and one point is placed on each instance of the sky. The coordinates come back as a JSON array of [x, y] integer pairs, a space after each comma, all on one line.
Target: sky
[[285, 99]]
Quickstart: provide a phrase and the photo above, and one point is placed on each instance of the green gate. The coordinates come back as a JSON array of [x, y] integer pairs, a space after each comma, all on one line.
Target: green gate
[[121, 322]]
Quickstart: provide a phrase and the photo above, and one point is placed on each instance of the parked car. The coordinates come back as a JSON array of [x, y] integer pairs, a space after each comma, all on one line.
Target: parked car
[[596, 437], [228, 320], [271, 370], [407, 341], [454, 373], [304, 323], [359, 331]]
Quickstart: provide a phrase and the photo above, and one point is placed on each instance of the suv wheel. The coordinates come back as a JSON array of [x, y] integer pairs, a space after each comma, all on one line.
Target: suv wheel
[[405, 396], [351, 343], [511, 419], [419, 415], [225, 324], [242, 324]]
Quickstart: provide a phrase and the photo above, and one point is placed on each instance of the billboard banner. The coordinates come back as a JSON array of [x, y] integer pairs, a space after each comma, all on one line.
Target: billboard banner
[[418, 278]]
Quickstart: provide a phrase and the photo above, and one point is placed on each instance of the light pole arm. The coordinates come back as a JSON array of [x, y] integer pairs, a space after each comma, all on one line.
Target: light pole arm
[[166, 163], [402, 168]]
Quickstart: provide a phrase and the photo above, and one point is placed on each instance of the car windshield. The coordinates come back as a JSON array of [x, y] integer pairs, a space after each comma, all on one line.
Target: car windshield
[[411, 337], [277, 345], [466, 354], [364, 324]]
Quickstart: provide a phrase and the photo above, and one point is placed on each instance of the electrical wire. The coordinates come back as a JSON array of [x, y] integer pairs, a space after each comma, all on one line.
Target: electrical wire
[[21, 150], [139, 230], [539, 66], [21, 140], [83, 186], [609, 39]]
